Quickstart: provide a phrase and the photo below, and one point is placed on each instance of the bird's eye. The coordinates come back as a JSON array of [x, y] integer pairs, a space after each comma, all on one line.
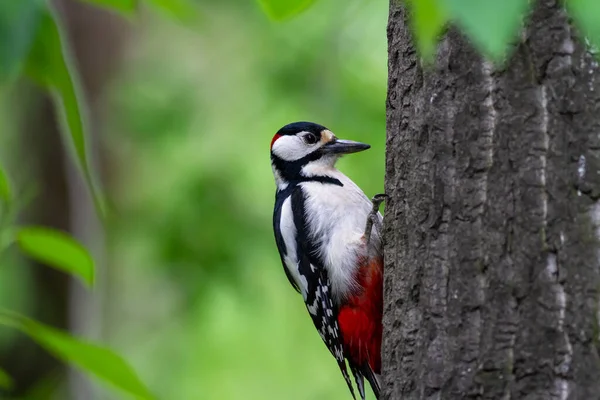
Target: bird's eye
[[310, 138]]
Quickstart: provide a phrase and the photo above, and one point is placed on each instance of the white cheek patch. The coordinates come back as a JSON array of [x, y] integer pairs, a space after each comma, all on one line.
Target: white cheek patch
[[292, 148]]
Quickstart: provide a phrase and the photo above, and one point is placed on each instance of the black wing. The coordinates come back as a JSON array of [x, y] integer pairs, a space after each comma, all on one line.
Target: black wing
[[318, 300], [280, 198]]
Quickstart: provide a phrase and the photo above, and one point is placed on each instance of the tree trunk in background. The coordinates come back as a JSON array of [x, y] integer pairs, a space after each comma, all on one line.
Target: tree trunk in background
[[492, 254], [26, 362], [96, 37]]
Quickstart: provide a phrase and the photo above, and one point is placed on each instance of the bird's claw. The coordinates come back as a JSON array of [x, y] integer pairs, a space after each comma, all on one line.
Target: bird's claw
[[378, 199], [372, 217]]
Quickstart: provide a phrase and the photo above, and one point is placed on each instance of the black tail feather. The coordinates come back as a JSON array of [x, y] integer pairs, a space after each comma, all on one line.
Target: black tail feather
[[342, 366], [360, 382], [372, 378]]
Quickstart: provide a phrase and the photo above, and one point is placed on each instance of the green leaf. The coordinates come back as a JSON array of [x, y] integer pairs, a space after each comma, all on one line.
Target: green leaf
[[6, 381], [428, 18], [126, 7], [49, 64], [586, 14], [181, 10], [5, 193], [58, 250], [283, 9], [89, 357], [18, 26], [490, 24]]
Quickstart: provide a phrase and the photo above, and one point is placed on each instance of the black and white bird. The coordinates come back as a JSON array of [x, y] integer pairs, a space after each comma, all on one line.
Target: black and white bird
[[328, 236]]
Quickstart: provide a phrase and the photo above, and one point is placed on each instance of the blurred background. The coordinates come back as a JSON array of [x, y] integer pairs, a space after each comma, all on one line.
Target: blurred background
[[190, 286]]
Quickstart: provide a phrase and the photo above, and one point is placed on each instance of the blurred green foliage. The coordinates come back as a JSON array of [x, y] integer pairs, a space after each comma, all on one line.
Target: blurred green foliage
[[5, 380], [197, 296], [99, 361], [127, 7], [33, 42], [587, 15], [198, 300], [492, 26], [195, 271], [18, 21], [57, 249], [282, 9]]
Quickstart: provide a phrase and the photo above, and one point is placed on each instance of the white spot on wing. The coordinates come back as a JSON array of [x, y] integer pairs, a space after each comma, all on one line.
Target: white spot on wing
[[288, 233]]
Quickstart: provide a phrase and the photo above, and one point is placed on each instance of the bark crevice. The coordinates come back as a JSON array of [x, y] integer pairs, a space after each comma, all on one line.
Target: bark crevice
[[491, 232]]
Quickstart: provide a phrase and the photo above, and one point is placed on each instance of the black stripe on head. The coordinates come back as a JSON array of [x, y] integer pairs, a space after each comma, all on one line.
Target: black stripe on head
[[290, 170], [302, 126]]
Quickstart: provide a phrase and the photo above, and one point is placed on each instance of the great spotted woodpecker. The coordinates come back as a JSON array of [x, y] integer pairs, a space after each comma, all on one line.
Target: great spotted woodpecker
[[328, 236]]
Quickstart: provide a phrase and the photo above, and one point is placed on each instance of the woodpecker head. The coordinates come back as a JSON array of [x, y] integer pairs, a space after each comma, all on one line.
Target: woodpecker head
[[304, 149]]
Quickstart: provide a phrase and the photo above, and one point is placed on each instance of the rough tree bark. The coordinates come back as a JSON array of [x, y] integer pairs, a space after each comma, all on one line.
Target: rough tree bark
[[492, 255]]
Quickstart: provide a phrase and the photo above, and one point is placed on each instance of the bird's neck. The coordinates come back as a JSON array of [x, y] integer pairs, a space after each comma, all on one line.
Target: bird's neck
[[322, 167], [289, 174]]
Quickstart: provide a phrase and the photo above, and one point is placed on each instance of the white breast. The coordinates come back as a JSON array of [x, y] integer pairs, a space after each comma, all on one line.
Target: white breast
[[336, 217]]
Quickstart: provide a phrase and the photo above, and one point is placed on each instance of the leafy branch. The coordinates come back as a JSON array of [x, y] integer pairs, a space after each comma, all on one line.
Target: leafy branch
[[33, 44], [491, 25]]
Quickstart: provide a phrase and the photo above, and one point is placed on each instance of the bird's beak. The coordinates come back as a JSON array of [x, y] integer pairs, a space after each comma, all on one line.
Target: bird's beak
[[338, 146]]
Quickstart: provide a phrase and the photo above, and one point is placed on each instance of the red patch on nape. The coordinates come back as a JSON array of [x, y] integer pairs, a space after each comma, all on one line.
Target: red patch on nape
[[277, 136]]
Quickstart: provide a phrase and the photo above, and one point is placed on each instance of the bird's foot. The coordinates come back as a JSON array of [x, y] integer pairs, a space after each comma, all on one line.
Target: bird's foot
[[372, 217]]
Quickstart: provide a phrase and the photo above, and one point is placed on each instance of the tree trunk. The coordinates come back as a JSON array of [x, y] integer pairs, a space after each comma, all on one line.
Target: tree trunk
[[492, 256]]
